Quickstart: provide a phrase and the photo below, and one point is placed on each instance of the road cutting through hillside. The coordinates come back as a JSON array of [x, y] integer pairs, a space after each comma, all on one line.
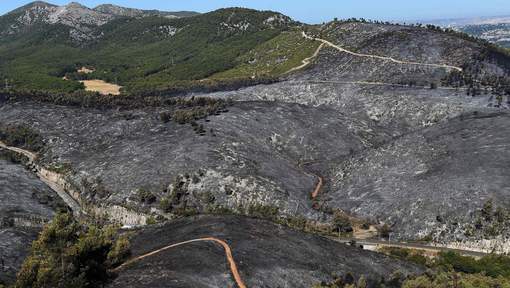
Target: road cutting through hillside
[[50, 178], [226, 247], [380, 57]]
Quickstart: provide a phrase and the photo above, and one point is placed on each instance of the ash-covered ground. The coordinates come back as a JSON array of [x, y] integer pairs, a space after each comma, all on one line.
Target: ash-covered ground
[[256, 154], [26, 203], [390, 146], [267, 255]]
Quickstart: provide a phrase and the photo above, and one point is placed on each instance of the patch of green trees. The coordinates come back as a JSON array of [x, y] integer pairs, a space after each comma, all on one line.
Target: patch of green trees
[[68, 253]]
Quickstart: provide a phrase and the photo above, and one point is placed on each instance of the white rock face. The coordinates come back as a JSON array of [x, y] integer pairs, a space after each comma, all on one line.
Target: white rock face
[[119, 11], [76, 15], [81, 19], [277, 20], [73, 14]]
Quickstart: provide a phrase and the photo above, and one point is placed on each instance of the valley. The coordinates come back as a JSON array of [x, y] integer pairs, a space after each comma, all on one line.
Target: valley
[[241, 148]]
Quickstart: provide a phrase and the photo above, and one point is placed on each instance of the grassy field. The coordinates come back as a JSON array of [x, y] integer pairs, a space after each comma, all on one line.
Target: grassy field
[[272, 58]]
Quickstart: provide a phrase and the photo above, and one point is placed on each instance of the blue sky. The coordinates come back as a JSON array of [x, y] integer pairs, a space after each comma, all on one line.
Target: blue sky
[[316, 11]]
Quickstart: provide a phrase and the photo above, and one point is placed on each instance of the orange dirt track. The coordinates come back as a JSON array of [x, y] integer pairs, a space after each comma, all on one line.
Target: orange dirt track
[[228, 252]]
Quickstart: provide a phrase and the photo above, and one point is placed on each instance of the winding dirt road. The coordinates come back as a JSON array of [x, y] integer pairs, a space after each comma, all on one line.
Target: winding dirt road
[[307, 61], [341, 49], [226, 247]]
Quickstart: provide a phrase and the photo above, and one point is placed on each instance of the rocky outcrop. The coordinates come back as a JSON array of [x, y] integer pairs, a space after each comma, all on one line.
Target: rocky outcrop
[[130, 12], [81, 21]]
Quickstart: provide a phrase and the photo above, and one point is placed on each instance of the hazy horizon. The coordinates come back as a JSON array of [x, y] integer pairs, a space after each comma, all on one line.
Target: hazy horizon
[[320, 10]]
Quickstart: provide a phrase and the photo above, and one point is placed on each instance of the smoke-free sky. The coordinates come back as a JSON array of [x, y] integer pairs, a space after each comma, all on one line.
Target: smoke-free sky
[[316, 11]]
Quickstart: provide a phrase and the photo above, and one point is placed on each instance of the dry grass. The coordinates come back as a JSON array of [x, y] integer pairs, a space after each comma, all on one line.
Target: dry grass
[[101, 87]]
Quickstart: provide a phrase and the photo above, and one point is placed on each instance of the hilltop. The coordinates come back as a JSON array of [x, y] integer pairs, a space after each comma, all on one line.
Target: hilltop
[[494, 29]]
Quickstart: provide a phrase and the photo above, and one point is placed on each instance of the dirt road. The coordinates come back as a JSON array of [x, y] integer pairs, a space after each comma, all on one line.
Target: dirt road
[[318, 188], [307, 61], [226, 247], [380, 57], [414, 246]]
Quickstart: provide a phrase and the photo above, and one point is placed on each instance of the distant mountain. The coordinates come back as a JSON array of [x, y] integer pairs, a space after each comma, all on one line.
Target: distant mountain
[[131, 12], [496, 33], [494, 29], [460, 22], [79, 20]]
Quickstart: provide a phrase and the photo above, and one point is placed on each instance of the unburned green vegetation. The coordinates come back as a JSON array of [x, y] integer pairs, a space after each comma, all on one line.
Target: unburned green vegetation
[[71, 254], [181, 110], [456, 280], [450, 269], [272, 58], [143, 55]]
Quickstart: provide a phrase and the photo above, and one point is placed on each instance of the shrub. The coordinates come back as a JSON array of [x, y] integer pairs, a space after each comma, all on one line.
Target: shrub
[[491, 265], [69, 254], [385, 231], [145, 196], [165, 205], [410, 255], [452, 279], [61, 168], [487, 210], [263, 211], [151, 221], [165, 117], [186, 211], [341, 223], [21, 136], [347, 281], [218, 210]]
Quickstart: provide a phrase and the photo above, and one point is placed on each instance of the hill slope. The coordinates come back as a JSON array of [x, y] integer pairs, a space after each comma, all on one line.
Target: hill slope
[[26, 204], [267, 256], [388, 124], [147, 53]]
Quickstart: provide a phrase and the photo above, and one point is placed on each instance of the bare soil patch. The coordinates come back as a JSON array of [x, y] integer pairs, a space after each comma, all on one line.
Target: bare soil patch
[[101, 87]]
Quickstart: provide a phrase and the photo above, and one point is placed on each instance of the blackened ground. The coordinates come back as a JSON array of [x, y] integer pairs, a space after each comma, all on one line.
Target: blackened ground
[[26, 203], [439, 174], [267, 255]]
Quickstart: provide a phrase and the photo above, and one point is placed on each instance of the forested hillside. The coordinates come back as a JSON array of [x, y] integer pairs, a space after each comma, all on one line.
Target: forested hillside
[[153, 53]]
